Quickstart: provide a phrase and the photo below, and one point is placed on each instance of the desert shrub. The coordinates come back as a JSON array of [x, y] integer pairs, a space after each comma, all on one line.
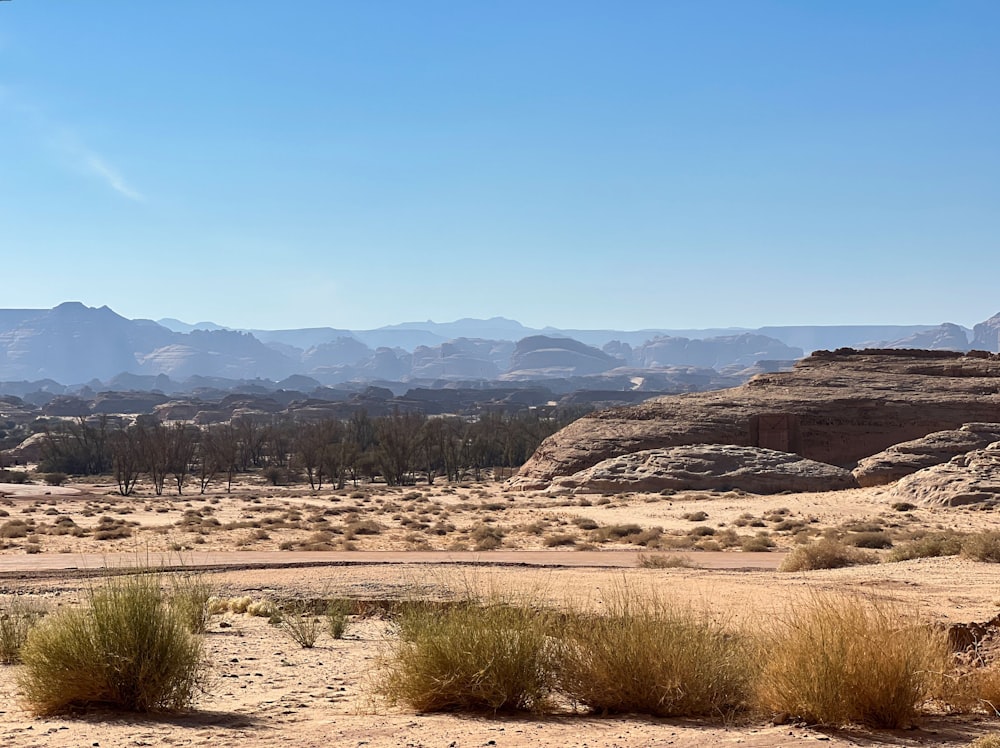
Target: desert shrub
[[559, 538], [300, 623], [645, 656], [837, 659], [825, 554], [871, 540], [695, 516], [469, 657], [54, 479], [982, 546], [13, 476], [15, 528], [701, 531], [17, 618], [975, 689], [929, 546], [190, 597], [125, 649], [903, 506], [758, 543], [665, 561], [336, 617], [487, 537], [615, 532], [240, 604]]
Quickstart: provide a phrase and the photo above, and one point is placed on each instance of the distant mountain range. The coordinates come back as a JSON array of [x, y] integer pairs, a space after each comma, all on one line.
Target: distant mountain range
[[73, 344]]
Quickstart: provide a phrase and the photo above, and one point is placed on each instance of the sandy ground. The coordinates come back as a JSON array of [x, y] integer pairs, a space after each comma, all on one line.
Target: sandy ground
[[266, 690]]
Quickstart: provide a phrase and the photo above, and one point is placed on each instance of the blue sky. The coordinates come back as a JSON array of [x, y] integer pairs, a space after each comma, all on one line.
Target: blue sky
[[665, 164]]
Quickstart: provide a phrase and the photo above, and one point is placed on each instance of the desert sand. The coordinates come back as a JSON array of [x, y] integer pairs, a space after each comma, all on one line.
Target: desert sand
[[421, 542]]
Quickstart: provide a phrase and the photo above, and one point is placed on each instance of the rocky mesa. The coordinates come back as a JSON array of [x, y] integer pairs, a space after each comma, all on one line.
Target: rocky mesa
[[833, 407]]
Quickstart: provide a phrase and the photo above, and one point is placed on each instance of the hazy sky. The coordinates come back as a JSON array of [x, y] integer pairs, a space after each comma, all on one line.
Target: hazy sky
[[579, 164]]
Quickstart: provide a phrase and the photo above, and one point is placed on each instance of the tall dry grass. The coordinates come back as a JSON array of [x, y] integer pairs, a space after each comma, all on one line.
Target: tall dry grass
[[126, 648], [841, 659], [493, 655], [643, 655]]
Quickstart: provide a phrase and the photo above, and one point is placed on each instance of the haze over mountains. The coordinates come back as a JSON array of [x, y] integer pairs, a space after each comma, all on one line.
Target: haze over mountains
[[73, 344]]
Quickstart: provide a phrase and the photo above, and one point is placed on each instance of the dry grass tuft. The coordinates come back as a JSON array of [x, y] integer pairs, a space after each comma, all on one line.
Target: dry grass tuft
[[645, 656], [470, 657], [825, 554], [666, 561], [125, 649], [17, 618], [837, 659]]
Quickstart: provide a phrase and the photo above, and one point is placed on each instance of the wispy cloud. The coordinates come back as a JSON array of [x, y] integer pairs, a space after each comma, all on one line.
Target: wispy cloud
[[67, 142]]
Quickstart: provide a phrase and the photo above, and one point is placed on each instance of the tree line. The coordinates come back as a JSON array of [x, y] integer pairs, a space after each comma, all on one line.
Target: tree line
[[398, 449]]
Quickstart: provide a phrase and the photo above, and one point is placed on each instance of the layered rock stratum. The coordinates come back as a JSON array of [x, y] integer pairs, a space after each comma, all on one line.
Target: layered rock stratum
[[833, 407]]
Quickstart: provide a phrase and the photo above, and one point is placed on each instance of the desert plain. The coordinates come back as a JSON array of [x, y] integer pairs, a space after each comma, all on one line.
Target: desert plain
[[376, 546]]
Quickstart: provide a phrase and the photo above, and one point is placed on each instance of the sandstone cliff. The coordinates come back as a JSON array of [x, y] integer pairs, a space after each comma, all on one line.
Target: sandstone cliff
[[832, 407]]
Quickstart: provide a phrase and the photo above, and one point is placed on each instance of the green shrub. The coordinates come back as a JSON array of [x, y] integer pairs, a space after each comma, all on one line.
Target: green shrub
[[125, 649], [646, 657], [17, 618], [825, 554], [837, 659], [13, 476], [494, 657]]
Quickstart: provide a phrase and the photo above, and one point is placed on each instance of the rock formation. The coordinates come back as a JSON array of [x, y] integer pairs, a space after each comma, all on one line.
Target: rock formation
[[986, 335], [835, 408], [908, 457], [972, 478], [708, 467]]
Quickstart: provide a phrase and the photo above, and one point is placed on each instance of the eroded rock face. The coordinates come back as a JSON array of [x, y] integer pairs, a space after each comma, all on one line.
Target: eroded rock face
[[903, 459], [972, 478], [835, 408], [709, 467]]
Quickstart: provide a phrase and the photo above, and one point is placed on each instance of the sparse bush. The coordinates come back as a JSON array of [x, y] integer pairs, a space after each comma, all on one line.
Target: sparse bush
[[54, 479], [759, 543], [15, 528], [982, 546], [645, 656], [336, 617], [929, 546], [301, 623], [17, 618], [695, 516], [836, 659], [494, 657], [903, 506], [13, 476], [666, 561], [559, 538], [872, 540], [126, 649], [986, 741], [825, 554]]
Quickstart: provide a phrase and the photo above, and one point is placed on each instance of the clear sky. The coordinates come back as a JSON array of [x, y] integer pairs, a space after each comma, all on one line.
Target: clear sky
[[616, 164]]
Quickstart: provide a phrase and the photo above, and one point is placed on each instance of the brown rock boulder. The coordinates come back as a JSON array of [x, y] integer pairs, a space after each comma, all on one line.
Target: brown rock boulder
[[902, 459], [972, 478], [709, 467], [832, 407]]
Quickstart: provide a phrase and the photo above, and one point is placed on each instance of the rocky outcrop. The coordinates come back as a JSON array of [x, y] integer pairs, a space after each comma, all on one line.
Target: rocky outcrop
[[708, 467], [741, 350], [835, 408], [972, 478], [903, 459]]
